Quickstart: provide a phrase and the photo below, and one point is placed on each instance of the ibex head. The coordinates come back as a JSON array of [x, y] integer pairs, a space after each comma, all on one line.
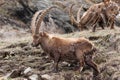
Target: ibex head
[[112, 10], [37, 37], [35, 42], [106, 2]]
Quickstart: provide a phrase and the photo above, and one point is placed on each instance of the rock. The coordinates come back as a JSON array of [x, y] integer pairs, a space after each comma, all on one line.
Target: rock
[[34, 77], [1, 71], [27, 73], [2, 78], [30, 74], [16, 73], [27, 70], [47, 77], [116, 76], [117, 21], [4, 54]]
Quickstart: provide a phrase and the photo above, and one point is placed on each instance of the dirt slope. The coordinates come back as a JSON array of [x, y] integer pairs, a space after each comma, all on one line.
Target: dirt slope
[[17, 52]]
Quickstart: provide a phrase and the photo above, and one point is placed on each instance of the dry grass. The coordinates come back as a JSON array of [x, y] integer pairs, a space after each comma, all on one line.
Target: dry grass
[[21, 53]]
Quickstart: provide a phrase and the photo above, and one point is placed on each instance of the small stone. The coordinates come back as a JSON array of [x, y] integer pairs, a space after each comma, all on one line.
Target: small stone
[[34, 77], [27, 70], [46, 76]]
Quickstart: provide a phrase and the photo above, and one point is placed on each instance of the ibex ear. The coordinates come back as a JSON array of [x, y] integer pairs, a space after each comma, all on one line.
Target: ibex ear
[[106, 1], [44, 34]]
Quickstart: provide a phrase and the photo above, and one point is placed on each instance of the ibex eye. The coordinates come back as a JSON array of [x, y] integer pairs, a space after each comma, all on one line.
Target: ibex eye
[[35, 36], [112, 9]]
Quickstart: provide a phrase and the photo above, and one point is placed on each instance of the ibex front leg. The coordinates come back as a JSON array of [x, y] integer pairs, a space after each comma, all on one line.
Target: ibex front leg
[[95, 22], [80, 57], [56, 61], [112, 24]]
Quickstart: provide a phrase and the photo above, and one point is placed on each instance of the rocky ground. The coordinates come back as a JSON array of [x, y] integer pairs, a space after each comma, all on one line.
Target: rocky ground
[[19, 61]]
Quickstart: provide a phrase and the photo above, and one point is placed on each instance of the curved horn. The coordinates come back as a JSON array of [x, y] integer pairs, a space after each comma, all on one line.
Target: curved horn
[[89, 2], [60, 4], [34, 20], [42, 15], [78, 14], [73, 21]]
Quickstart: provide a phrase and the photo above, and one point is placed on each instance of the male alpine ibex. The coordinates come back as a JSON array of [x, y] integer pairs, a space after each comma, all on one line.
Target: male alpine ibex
[[110, 12], [108, 15], [97, 13], [79, 49]]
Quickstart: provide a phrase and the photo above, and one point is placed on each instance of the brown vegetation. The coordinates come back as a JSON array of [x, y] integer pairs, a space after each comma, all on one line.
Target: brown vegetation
[[79, 49]]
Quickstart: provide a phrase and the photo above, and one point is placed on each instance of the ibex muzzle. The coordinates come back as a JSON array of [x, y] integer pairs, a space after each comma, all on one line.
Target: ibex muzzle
[[36, 41]]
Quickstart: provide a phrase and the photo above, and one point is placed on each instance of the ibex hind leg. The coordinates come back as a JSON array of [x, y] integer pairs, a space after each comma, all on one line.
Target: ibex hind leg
[[95, 23], [94, 66], [94, 27], [101, 25], [81, 65], [112, 25]]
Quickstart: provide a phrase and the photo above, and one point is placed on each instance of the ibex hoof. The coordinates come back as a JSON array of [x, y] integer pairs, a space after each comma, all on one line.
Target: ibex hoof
[[112, 28], [96, 73], [93, 30], [54, 70]]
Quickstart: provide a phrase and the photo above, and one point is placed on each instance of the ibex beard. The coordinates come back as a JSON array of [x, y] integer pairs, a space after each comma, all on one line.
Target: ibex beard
[[62, 49]]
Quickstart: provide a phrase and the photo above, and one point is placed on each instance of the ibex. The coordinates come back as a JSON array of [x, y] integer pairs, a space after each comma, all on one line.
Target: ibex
[[108, 15], [58, 48], [97, 13]]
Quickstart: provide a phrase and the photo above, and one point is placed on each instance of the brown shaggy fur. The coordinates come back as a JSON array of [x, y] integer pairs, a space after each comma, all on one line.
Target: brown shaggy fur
[[64, 48]]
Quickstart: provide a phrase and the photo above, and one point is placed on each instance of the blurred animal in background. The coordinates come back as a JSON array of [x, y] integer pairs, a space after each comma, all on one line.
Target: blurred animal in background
[[101, 14], [108, 15], [111, 11]]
